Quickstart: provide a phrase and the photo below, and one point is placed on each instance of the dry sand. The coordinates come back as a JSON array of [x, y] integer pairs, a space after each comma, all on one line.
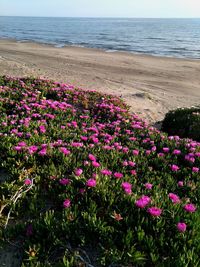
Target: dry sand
[[150, 85]]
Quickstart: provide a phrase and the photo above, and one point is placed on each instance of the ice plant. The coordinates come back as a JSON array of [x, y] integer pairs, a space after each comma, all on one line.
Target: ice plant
[[190, 208], [85, 148], [154, 211], [118, 175], [127, 187], [143, 202], [148, 186], [181, 226], [174, 198], [91, 183], [78, 172], [67, 203], [27, 181]]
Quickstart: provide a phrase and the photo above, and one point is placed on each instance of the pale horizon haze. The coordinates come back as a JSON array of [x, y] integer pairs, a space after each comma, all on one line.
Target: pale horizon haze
[[103, 8]]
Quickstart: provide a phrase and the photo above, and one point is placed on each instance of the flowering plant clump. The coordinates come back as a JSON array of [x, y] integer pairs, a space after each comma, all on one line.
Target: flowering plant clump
[[84, 172]]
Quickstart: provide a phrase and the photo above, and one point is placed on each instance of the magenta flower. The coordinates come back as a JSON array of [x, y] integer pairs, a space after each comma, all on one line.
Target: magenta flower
[[195, 169], [148, 186], [133, 172], [42, 152], [64, 181], [143, 202], [135, 152], [174, 198], [118, 175], [42, 129], [92, 157], [166, 149], [125, 163], [27, 181], [106, 172], [154, 211], [78, 172], [131, 163], [127, 187], [64, 150], [91, 182], [67, 203], [32, 149], [95, 164], [22, 144], [176, 152], [174, 168], [82, 191], [17, 148], [181, 227], [180, 183], [190, 208]]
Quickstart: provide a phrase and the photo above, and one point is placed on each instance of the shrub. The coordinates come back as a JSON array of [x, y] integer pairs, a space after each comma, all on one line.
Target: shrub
[[85, 174], [184, 122]]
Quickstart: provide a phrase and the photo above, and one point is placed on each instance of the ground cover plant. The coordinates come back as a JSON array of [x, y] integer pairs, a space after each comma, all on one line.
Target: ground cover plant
[[86, 175], [184, 122]]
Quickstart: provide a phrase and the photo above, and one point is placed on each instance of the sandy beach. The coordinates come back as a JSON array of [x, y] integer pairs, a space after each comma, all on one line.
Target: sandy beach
[[150, 85]]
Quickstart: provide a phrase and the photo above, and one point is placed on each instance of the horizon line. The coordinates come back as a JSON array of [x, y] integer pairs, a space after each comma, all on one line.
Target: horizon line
[[99, 17]]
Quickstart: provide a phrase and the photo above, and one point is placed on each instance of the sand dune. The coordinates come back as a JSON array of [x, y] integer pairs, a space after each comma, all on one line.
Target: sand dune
[[150, 85]]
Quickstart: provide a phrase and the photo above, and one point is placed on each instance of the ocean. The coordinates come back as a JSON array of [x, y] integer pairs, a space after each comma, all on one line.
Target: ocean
[[159, 37]]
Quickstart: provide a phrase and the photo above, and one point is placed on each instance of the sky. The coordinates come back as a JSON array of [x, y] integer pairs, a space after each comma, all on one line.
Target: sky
[[102, 8]]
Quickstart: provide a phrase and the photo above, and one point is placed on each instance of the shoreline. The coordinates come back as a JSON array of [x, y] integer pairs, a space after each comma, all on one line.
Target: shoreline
[[97, 49], [151, 85]]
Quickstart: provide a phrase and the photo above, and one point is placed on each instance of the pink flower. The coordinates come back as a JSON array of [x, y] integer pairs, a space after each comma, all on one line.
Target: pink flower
[[67, 203], [91, 182], [78, 172], [84, 138], [92, 157], [17, 148], [125, 163], [148, 152], [166, 149], [32, 149], [195, 169], [176, 152], [118, 175], [27, 181], [64, 150], [127, 187], [190, 208], [86, 162], [42, 152], [64, 181], [106, 172], [22, 143], [174, 168], [135, 152], [77, 144], [82, 190], [181, 227], [133, 172], [143, 202], [42, 129], [131, 163], [95, 164], [175, 199], [148, 186], [180, 183], [154, 211]]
